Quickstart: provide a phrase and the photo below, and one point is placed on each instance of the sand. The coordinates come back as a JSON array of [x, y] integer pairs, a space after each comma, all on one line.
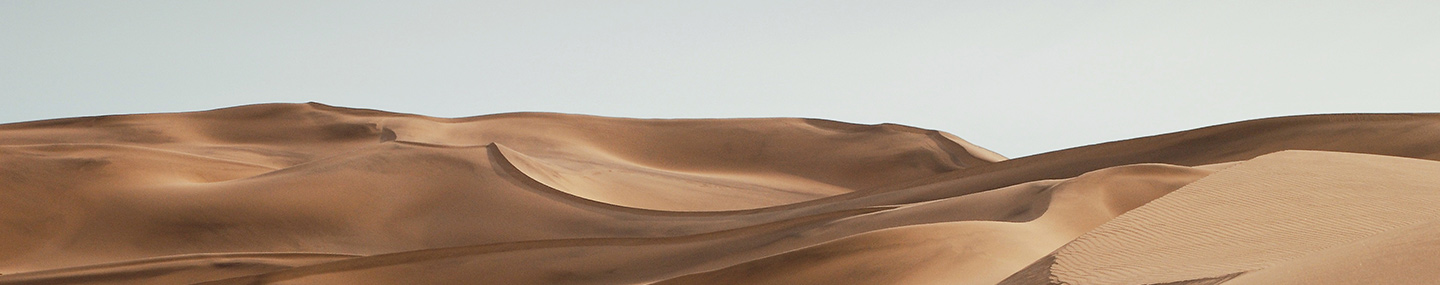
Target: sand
[[317, 194]]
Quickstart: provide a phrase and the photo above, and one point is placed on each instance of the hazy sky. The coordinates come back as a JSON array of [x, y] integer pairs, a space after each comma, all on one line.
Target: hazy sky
[[1016, 77]]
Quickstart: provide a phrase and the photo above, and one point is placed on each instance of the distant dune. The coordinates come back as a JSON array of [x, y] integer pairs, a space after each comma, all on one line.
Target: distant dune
[[317, 194]]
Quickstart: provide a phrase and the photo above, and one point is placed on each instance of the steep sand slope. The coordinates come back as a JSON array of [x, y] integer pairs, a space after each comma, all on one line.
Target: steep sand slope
[[1255, 215], [1069, 208], [616, 156], [181, 269], [963, 252], [313, 178], [1405, 135], [309, 193]]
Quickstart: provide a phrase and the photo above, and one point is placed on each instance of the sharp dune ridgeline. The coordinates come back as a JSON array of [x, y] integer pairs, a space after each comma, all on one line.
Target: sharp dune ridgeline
[[318, 194]]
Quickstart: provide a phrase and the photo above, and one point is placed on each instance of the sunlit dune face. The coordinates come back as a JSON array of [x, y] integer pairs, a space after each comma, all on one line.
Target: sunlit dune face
[[316, 194]]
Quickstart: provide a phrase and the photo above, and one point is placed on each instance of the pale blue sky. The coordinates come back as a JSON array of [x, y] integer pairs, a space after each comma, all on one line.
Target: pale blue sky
[[1017, 77]]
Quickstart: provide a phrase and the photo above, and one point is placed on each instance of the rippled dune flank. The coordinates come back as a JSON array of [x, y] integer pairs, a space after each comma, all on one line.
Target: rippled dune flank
[[316, 194]]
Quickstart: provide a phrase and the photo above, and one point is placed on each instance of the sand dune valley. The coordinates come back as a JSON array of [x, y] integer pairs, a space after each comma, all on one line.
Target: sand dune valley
[[318, 194]]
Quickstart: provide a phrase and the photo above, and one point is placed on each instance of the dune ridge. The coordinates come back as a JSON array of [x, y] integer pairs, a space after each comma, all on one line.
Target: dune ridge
[[318, 194]]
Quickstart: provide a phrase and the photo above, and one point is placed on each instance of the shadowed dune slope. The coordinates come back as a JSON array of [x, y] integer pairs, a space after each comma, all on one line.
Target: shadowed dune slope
[[963, 252], [181, 269], [1065, 209], [1404, 135], [316, 194], [801, 158]]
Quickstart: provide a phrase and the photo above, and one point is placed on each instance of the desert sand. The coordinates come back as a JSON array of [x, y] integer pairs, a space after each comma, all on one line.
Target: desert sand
[[318, 194]]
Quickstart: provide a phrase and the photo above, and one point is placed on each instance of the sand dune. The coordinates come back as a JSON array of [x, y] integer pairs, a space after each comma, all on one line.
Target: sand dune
[[1258, 214], [316, 194], [178, 269]]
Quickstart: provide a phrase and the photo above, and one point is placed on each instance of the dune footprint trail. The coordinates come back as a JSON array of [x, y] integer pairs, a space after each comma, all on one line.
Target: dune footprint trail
[[317, 194]]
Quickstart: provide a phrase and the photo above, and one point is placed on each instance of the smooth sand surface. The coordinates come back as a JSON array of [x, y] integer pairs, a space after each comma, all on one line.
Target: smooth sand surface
[[317, 194], [1257, 214]]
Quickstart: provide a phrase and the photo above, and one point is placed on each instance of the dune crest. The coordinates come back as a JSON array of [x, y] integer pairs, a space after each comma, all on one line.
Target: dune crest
[[318, 194]]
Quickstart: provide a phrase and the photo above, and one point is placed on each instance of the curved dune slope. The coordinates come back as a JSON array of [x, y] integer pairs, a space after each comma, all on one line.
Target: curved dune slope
[[963, 252], [1255, 215], [315, 194]]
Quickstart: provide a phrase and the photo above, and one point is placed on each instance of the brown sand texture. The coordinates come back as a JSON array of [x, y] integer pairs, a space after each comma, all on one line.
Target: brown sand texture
[[317, 194]]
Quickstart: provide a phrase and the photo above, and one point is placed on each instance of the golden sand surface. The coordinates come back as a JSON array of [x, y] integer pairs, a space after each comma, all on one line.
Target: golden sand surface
[[318, 194]]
